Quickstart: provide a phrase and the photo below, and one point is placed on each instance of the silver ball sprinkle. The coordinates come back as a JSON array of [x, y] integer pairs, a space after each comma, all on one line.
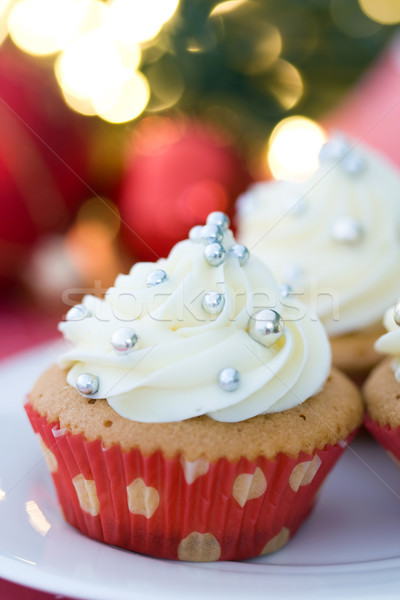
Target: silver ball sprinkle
[[214, 254], [229, 379], [77, 313], [266, 327], [195, 233], [219, 219], [87, 384], [213, 302], [240, 252], [285, 289], [334, 149], [156, 277], [347, 230], [396, 314], [211, 234], [353, 164], [123, 340]]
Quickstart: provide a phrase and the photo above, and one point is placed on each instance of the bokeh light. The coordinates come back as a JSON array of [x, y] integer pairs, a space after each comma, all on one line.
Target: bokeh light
[[248, 49], [99, 50], [44, 27], [89, 66], [133, 98], [386, 12], [138, 20], [286, 84], [293, 148]]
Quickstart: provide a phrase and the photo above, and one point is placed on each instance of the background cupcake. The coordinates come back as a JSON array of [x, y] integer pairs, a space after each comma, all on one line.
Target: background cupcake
[[382, 388], [195, 416], [334, 240]]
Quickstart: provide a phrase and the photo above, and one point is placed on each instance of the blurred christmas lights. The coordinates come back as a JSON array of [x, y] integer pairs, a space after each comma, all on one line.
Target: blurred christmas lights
[[293, 148], [98, 47], [386, 12]]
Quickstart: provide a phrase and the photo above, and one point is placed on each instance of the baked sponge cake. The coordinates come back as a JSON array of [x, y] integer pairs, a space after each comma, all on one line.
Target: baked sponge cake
[[382, 388], [196, 414], [334, 240]]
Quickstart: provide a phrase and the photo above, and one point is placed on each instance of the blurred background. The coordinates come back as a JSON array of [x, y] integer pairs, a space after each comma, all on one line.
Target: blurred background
[[123, 123]]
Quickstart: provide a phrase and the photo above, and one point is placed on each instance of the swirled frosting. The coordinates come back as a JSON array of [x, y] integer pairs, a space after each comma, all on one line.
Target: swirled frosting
[[389, 343], [172, 373], [334, 238]]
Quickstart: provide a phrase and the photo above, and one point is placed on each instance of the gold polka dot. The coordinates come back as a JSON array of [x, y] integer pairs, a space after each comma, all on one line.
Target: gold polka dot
[[394, 458], [248, 486], [199, 547], [277, 542], [49, 457], [87, 495], [304, 473], [194, 470], [142, 499]]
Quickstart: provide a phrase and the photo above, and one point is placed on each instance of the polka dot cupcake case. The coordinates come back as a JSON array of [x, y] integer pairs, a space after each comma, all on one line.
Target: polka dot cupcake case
[[177, 509]]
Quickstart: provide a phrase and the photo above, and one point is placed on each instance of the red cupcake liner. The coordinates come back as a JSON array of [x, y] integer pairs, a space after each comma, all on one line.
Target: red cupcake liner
[[388, 438], [176, 509]]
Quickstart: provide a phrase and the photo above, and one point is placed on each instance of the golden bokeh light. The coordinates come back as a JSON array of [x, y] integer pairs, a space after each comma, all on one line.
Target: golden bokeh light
[[89, 66], [83, 106], [285, 83], [386, 12], [249, 49], [293, 148], [166, 83], [137, 21], [226, 7], [43, 27], [133, 98]]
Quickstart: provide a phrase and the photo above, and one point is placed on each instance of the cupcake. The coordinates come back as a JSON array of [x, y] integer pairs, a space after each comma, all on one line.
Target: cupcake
[[334, 241], [382, 388], [196, 414]]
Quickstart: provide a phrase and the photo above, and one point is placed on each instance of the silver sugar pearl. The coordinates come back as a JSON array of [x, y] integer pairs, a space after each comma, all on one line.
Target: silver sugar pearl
[[123, 340], [229, 379], [266, 327], [87, 384], [77, 313], [156, 277], [353, 164], [213, 302], [214, 254], [240, 252], [334, 149], [195, 233], [219, 219], [396, 314], [285, 289], [211, 234], [347, 230]]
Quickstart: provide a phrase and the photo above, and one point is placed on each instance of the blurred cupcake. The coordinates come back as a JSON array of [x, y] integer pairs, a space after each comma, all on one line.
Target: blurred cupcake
[[195, 416], [334, 241], [382, 388]]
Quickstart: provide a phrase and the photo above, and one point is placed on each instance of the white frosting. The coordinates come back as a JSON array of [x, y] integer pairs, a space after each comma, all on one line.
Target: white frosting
[[389, 343], [172, 373], [291, 226]]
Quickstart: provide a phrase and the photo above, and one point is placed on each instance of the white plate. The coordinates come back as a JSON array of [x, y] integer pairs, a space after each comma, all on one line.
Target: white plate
[[349, 547]]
